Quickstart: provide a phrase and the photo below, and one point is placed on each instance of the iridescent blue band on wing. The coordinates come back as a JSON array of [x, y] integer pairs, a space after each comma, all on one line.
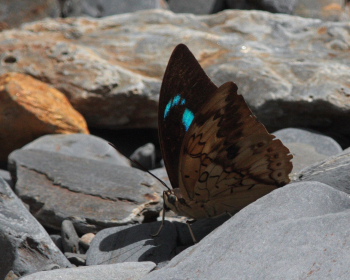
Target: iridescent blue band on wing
[[172, 103], [187, 118]]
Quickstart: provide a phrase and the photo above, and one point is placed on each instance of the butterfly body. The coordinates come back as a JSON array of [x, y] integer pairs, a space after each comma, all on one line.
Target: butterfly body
[[218, 156]]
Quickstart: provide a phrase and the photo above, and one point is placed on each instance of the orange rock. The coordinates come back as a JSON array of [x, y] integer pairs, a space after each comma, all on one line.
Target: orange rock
[[29, 109]]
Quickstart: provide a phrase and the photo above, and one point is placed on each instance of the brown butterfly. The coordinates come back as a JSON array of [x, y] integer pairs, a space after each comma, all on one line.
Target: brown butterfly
[[218, 156]]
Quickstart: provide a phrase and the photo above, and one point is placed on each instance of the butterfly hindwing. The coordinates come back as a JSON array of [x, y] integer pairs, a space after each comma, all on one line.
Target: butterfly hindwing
[[185, 88], [228, 159]]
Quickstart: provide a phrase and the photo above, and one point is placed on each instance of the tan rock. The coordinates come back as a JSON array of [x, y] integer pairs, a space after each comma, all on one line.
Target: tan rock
[[29, 109], [292, 71]]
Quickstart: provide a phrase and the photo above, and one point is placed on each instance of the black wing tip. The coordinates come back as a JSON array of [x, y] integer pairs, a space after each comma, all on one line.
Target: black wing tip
[[181, 50], [180, 47]]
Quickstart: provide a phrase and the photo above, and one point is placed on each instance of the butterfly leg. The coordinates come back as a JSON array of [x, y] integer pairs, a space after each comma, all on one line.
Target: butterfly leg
[[189, 222], [163, 217]]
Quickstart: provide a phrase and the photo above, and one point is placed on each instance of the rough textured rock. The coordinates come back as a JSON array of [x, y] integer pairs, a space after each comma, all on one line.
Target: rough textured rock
[[79, 145], [133, 243], [297, 232], [92, 194], [29, 109], [25, 245], [333, 171], [120, 271], [14, 13], [111, 68], [307, 147]]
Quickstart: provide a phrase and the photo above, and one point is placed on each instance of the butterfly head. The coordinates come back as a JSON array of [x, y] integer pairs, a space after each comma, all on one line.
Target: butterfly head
[[173, 200]]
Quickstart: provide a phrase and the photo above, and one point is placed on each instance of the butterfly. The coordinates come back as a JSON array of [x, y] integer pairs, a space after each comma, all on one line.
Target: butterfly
[[218, 156]]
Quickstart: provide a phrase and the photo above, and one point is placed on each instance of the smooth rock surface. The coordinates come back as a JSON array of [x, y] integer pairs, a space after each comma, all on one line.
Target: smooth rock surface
[[70, 238], [307, 147], [86, 240], [292, 71], [323, 9], [6, 176], [145, 155], [299, 231], [92, 194], [14, 13], [133, 243], [25, 245], [199, 7], [76, 259], [102, 8], [323, 144], [79, 145], [274, 6], [29, 109], [333, 171], [120, 271]]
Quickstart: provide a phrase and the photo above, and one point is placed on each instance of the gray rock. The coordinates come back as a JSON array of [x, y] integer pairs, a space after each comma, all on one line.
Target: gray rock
[[292, 71], [120, 271], [200, 229], [296, 232], [307, 147], [25, 245], [322, 144], [6, 176], [70, 238], [57, 239], [326, 9], [274, 6], [333, 171], [79, 145], [162, 174], [198, 7], [76, 259], [91, 193], [280, 6], [102, 8], [14, 13], [145, 155], [304, 155], [133, 243]]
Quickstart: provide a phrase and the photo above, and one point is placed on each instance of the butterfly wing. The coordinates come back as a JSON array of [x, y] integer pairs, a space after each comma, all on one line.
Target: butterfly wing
[[228, 159], [185, 88]]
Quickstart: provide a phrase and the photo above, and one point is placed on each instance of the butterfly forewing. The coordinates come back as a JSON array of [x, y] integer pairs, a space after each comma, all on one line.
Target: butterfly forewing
[[185, 87]]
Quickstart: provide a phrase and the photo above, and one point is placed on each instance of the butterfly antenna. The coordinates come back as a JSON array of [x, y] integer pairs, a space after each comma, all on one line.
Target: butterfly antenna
[[143, 168]]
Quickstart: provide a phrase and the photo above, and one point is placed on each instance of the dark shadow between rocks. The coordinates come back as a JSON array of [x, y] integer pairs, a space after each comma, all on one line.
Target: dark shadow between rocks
[[134, 243], [318, 115]]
